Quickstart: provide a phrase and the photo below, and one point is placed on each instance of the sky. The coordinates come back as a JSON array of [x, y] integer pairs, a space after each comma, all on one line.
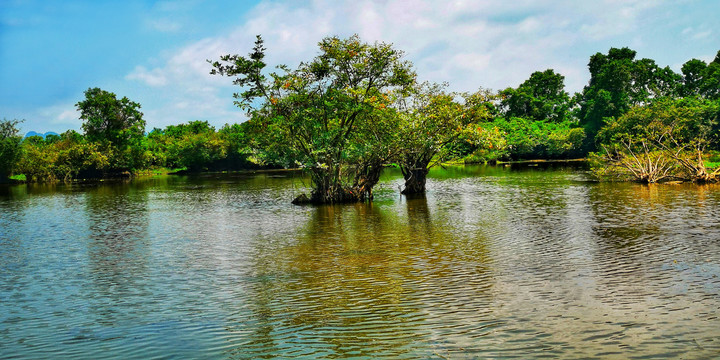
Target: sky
[[155, 52]]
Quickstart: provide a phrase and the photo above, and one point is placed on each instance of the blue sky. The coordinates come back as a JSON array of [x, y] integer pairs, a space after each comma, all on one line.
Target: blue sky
[[154, 52]]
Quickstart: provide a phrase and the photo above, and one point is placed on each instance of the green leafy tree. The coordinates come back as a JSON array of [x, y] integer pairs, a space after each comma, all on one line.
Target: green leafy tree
[[542, 97], [617, 83], [239, 152], [701, 79], [431, 121], [522, 139], [195, 146], [65, 157], [310, 116], [117, 125], [664, 139], [9, 146], [373, 144]]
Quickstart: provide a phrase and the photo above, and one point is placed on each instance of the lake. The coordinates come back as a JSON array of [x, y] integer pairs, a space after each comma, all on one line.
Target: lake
[[495, 262]]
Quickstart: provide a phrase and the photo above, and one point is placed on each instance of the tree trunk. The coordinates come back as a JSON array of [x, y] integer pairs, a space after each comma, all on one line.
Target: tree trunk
[[701, 174], [366, 178], [414, 181], [328, 189]]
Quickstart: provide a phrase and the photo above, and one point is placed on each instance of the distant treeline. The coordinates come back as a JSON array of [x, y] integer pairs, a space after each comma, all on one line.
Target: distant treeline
[[193, 147], [357, 107]]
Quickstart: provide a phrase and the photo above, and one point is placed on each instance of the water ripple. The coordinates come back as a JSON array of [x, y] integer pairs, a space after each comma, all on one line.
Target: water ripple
[[505, 262]]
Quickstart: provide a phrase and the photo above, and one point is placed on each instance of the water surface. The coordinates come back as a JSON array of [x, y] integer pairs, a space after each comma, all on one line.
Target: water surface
[[495, 262]]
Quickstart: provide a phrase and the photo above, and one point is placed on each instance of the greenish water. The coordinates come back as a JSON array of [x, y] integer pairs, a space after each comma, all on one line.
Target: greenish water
[[496, 262]]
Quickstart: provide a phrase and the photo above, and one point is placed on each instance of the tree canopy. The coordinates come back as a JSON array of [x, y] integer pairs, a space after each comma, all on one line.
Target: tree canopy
[[357, 107], [115, 123], [542, 97], [666, 138], [310, 115], [431, 122], [618, 82], [701, 79], [9, 147], [195, 146]]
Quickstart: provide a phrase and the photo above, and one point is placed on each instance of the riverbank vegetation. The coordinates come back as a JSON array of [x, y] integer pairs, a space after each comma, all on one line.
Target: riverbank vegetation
[[9, 147], [358, 107]]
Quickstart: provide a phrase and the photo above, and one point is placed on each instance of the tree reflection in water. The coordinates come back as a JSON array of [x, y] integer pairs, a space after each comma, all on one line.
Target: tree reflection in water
[[118, 252]]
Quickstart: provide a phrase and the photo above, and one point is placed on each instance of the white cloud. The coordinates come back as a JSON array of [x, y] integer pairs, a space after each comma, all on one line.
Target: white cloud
[[610, 18], [697, 34], [154, 77], [470, 44], [68, 115], [58, 118], [702, 35], [60, 114], [164, 25]]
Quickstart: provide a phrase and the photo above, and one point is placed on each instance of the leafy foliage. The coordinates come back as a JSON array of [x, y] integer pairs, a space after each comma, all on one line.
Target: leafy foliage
[[431, 122], [238, 150], [116, 125], [195, 146], [520, 138], [311, 115], [664, 139], [542, 97], [63, 157], [701, 79], [9, 147], [617, 83]]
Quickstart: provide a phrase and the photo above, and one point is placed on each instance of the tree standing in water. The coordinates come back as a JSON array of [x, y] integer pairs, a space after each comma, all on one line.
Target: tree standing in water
[[432, 120], [312, 115]]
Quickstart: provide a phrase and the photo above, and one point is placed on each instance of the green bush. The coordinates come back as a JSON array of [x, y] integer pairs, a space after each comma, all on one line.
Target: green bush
[[65, 159], [523, 139], [9, 147]]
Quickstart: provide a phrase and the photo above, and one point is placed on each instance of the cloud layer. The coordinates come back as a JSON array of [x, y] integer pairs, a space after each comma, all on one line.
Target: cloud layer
[[469, 44]]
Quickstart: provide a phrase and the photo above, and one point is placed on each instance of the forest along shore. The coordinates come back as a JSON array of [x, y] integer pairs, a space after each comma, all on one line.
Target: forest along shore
[[342, 124]]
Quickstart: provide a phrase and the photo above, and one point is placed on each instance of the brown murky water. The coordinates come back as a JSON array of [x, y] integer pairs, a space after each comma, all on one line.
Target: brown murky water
[[496, 262]]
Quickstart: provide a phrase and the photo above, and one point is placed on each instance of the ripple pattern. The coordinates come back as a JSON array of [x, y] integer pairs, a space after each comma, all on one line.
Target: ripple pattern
[[505, 262]]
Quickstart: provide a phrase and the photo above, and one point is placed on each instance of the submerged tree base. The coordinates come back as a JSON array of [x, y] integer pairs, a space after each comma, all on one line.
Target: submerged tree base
[[340, 196], [658, 166], [415, 180], [302, 199]]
